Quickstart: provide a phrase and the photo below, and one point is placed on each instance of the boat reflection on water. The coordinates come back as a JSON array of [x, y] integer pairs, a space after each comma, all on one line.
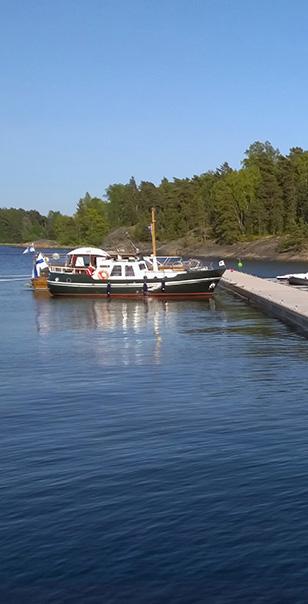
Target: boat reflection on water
[[133, 331]]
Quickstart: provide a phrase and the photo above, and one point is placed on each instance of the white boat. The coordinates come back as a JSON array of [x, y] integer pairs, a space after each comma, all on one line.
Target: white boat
[[94, 272], [90, 271], [298, 279], [288, 276], [29, 249], [283, 277]]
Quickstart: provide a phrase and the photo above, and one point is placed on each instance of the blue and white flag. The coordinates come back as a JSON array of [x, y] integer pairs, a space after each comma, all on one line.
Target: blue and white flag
[[38, 265]]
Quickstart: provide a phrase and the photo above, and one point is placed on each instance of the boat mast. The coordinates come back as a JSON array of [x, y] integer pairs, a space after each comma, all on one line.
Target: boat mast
[[153, 233]]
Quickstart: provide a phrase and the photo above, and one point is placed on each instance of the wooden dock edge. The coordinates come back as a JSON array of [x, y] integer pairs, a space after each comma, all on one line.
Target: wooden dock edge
[[280, 301]]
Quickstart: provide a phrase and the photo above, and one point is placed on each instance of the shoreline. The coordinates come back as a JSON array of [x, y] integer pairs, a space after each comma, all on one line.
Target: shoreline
[[39, 246], [266, 249]]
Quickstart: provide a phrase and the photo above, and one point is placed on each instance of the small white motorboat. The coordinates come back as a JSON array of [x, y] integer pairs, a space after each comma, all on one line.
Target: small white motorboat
[[287, 277], [298, 279]]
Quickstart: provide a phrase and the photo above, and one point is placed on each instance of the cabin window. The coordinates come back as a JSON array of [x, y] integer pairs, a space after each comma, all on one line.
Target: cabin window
[[142, 266], [116, 271], [82, 261], [129, 271], [79, 261]]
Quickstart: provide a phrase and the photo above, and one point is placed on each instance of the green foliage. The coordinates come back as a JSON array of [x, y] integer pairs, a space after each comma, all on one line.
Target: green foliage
[[61, 228], [17, 225], [226, 225], [123, 207], [296, 240], [267, 196], [91, 220], [149, 196]]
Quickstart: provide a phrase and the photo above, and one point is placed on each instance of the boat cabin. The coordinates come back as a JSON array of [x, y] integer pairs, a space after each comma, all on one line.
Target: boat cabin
[[83, 257], [90, 260]]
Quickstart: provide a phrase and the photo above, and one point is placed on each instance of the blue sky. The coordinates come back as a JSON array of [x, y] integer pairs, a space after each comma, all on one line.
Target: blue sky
[[95, 91]]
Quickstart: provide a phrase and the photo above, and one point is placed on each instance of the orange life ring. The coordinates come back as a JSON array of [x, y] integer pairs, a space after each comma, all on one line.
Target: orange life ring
[[103, 275]]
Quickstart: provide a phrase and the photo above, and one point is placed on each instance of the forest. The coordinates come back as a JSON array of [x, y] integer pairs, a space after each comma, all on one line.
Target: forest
[[268, 195]]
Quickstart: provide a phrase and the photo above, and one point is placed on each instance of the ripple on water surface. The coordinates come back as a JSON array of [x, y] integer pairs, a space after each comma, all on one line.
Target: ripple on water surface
[[151, 452]]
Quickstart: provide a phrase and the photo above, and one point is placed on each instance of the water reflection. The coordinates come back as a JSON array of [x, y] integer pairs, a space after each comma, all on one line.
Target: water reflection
[[134, 331], [53, 315], [146, 331]]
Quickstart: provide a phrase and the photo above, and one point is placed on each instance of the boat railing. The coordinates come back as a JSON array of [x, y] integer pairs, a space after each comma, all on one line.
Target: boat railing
[[72, 270], [174, 263], [192, 264]]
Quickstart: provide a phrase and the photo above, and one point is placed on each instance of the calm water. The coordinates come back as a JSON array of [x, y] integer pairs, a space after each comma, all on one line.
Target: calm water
[[150, 453]]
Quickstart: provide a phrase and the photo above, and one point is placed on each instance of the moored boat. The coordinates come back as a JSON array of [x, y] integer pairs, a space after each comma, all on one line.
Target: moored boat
[[284, 277], [94, 272], [288, 276], [298, 279]]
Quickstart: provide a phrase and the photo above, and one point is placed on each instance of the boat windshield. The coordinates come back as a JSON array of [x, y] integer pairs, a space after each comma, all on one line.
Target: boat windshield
[[170, 260]]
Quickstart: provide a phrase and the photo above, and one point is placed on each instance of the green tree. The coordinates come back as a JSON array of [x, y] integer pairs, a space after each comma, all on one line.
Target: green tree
[[287, 180], [91, 220], [18, 225], [149, 197], [264, 158], [225, 225], [299, 161], [123, 206]]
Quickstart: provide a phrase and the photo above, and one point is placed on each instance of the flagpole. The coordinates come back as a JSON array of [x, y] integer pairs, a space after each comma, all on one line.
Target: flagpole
[[153, 233]]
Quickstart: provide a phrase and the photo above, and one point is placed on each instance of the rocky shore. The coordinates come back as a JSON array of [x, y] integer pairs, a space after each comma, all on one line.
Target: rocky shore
[[266, 248]]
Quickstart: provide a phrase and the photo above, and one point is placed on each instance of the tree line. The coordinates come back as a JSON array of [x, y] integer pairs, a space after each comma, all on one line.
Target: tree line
[[268, 195]]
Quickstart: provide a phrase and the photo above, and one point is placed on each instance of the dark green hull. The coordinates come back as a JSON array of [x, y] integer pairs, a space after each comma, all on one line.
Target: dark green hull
[[198, 283]]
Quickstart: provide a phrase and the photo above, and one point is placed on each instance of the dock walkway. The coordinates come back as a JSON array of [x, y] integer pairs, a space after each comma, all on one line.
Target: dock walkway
[[279, 300]]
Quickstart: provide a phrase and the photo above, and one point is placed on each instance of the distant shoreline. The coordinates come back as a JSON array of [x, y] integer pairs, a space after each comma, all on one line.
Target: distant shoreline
[[38, 246], [266, 249]]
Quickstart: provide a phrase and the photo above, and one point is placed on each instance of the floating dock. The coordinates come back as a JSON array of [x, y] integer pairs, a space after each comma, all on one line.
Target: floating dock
[[279, 300]]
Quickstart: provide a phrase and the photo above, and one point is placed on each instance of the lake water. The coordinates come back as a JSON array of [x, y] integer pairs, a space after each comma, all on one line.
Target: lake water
[[151, 453]]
